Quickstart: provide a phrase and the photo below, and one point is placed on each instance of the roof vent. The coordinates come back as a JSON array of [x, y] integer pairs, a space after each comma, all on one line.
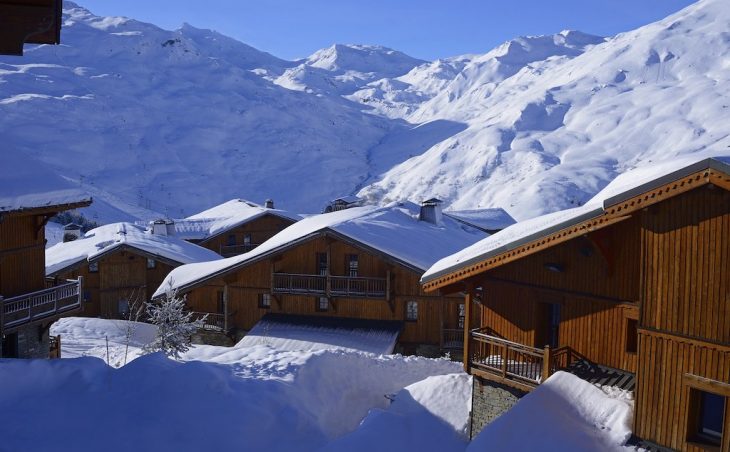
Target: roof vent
[[269, 203], [431, 211], [71, 232]]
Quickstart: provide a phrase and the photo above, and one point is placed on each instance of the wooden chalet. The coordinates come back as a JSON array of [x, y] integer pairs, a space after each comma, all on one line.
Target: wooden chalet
[[234, 227], [362, 262], [28, 306], [29, 22], [632, 290], [121, 263]]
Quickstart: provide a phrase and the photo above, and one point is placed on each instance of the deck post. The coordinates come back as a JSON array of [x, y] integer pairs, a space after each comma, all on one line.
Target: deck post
[[225, 308], [546, 358], [81, 293], [2, 320], [467, 326]]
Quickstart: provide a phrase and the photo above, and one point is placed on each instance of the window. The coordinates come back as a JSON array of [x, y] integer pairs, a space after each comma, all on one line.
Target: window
[[412, 311], [461, 315], [322, 264], [706, 419], [265, 300], [632, 336], [352, 265], [221, 303], [93, 267], [247, 239], [151, 263], [231, 240], [323, 304]]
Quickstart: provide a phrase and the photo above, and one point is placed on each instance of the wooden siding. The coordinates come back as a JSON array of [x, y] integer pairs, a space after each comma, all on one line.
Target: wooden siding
[[593, 328], [247, 284], [22, 255], [662, 394], [121, 275], [261, 229]]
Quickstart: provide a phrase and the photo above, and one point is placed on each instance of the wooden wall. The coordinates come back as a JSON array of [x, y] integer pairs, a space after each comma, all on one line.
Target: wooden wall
[[121, 275], [685, 310], [22, 255], [261, 229], [246, 285]]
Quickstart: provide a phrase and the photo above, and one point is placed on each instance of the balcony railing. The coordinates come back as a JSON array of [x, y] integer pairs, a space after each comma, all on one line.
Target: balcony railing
[[338, 286], [508, 361], [452, 339], [42, 304], [213, 322], [235, 250]]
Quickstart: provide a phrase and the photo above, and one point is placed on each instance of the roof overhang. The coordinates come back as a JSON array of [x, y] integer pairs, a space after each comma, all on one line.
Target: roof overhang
[[615, 209], [45, 210]]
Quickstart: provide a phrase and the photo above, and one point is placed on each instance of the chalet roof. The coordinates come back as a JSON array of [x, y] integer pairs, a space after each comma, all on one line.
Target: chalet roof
[[484, 219], [303, 332], [26, 184], [393, 230], [105, 239], [224, 217], [627, 185]]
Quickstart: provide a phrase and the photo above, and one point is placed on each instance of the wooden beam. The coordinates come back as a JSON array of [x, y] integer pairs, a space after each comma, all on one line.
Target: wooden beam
[[707, 384]]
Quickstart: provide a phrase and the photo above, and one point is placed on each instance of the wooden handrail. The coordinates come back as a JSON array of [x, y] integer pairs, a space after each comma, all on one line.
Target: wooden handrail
[[41, 304], [326, 285]]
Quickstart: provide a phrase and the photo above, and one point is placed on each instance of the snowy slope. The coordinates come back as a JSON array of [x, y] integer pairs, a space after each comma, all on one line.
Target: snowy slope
[[548, 134], [177, 121]]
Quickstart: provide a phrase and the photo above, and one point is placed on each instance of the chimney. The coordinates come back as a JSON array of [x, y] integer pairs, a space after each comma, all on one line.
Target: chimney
[[71, 232], [431, 211], [159, 227], [170, 227], [269, 203]]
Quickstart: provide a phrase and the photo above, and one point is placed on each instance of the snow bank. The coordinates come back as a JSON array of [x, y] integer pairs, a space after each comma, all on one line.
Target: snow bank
[[430, 415], [565, 414]]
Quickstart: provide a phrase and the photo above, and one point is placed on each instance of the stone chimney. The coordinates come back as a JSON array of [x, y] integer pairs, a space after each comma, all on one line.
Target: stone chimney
[[431, 211], [159, 227], [71, 232], [269, 203]]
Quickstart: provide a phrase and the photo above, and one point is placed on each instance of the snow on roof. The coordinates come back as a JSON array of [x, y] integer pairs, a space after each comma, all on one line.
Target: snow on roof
[[296, 332], [394, 230], [628, 184], [564, 413], [106, 238], [27, 184], [224, 217], [485, 219]]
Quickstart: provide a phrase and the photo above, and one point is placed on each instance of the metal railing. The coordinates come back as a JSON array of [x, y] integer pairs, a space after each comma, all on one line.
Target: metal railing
[[339, 286], [508, 360], [42, 304], [235, 250]]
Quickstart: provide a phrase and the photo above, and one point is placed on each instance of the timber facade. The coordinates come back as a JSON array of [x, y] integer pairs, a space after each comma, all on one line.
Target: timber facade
[[245, 237], [28, 304], [117, 280], [639, 296], [330, 275]]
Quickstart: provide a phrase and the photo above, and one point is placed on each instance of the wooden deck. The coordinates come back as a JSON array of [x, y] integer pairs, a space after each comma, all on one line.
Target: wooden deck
[[41, 305], [328, 285]]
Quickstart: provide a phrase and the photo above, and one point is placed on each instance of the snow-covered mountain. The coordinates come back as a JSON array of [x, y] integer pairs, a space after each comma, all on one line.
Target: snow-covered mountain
[[158, 122], [547, 125]]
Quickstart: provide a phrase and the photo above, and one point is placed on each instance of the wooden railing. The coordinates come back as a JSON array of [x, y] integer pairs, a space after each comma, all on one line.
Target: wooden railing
[[339, 286], [213, 322], [42, 304], [452, 338], [235, 250], [508, 360]]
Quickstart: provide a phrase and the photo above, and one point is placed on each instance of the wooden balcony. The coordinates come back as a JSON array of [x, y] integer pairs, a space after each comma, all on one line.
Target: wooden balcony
[[326, 286], [235, 250], [40, 305]]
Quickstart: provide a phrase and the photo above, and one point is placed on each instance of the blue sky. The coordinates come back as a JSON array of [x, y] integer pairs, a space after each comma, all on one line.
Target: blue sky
[[427, 29]]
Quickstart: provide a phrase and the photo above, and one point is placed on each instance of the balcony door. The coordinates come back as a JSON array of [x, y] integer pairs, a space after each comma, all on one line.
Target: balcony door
[[322, 264], [547, 325]]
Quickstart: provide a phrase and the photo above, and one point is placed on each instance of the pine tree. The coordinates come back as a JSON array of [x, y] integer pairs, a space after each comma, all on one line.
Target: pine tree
[[175, 325]]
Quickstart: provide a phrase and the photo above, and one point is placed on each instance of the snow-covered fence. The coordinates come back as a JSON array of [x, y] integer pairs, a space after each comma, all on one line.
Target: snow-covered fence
[[41, 304]]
